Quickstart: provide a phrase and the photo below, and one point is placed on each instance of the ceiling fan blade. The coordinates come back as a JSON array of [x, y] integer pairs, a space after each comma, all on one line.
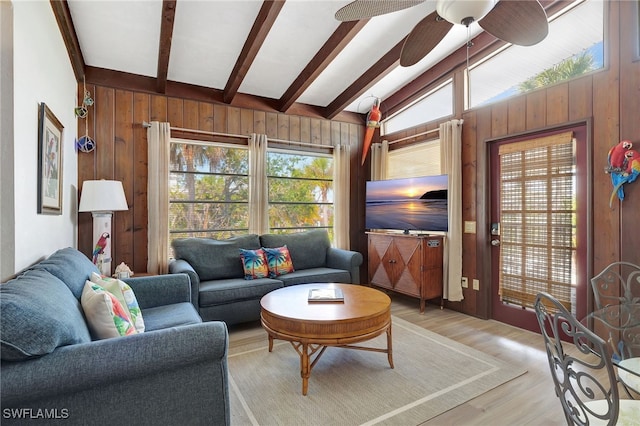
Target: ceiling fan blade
[[423, 38], [363, 9], [521, 22]]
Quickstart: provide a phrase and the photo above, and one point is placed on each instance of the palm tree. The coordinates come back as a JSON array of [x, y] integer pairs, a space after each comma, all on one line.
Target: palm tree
[[569, 68], [322, 167]]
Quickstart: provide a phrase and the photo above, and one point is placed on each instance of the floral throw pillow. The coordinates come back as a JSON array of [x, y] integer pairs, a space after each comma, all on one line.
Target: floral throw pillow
[[105, 314], [254, 264], [125, 296], [279, 261]]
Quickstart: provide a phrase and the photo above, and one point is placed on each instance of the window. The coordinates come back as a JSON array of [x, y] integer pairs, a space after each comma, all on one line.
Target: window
[[436, 104], [209, 190], [300, 191], [573, 47]]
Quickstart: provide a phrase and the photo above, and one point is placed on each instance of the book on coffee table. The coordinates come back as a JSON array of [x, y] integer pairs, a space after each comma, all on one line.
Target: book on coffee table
[[326, 295]]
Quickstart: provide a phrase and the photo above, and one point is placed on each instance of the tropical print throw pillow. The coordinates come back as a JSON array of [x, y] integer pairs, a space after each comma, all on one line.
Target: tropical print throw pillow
[[279, 261], [254, 263]]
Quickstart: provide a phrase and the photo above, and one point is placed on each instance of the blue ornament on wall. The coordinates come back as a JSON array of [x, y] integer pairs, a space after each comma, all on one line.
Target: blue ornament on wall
[[85, 144]]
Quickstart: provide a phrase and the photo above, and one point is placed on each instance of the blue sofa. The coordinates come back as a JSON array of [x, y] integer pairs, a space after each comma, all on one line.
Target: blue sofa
[[175, 372], [220, 291]]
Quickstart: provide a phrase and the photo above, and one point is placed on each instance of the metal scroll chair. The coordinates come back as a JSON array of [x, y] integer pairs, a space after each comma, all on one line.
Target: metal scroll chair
[[616, 292], [583, 376], [618, 283]]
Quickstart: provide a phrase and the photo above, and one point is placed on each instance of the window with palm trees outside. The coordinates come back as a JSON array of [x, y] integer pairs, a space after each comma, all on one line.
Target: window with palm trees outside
[[209, 190], [300, 191], [564, 54]]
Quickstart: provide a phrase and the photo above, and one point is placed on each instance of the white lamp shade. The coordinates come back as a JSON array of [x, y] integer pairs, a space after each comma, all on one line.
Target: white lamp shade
[[456, 11], [102, 196]]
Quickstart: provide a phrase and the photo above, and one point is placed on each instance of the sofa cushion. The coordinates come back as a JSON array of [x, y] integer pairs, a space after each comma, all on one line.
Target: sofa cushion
[[316, 275], [105, 314], [254, 263], [38, 313], [220, 292], [174, 315], [278, 261], [71, 267], [215, 259], [308, 249]]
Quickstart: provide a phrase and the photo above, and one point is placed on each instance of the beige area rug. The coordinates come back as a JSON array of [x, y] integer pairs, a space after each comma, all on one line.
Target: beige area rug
[[432, 374]]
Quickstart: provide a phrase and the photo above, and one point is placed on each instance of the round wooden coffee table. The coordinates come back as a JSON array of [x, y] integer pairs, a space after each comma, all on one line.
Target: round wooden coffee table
[[287, 314]]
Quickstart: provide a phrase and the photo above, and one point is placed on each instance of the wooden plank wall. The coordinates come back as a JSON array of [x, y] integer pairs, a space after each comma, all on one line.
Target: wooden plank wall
[[610, 101], [115, 123]]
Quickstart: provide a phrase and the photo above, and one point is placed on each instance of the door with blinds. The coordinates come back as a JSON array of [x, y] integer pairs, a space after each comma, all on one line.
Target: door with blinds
[[539, 224]]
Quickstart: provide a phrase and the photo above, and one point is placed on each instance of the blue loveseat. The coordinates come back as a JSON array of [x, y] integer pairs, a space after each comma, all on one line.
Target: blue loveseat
[[220, 291], [175, 372]]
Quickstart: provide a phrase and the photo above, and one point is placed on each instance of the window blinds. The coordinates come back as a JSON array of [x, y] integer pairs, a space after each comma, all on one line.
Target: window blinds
[[537, 214], [421, 159]]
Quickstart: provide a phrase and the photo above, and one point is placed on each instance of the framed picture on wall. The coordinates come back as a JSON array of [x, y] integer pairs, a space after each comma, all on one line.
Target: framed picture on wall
[[49, 162]]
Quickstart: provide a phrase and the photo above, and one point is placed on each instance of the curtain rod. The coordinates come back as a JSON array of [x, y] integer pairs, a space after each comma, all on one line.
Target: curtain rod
[[146, 124]]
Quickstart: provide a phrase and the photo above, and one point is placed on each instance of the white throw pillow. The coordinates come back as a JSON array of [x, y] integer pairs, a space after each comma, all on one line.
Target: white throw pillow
[[105, 314], [125, 295]]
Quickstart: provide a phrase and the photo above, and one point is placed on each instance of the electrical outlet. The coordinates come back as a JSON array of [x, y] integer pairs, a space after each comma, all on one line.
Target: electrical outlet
[[476, 284], [465, 282]]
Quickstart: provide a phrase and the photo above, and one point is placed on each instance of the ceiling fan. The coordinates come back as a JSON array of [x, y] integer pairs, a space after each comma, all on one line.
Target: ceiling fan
[[521, 22]]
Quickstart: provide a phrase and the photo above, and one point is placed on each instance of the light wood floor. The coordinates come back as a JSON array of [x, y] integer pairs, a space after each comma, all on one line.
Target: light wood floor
[[526, 400]]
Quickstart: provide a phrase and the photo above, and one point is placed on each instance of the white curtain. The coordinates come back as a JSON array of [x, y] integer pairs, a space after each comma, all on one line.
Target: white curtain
[[341, 184], [379, 155], [258, 189], [451, 164], [158, 141]]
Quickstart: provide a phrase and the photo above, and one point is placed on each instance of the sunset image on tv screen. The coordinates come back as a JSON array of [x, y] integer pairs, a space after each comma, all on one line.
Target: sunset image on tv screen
[[410, 204]]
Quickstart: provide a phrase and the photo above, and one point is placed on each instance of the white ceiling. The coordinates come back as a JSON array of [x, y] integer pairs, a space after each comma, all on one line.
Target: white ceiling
[[208, 37]]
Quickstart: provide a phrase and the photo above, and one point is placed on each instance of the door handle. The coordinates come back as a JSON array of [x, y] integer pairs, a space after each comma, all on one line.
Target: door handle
[[495, 242]]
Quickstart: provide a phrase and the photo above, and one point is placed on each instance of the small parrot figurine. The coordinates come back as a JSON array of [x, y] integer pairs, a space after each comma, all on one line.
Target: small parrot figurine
[[373, 122], [616, 157], [100, 246], [628, 175]]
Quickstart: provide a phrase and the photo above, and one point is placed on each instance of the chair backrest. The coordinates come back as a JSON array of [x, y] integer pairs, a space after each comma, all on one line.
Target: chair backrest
[[617, 284], [582, 372]]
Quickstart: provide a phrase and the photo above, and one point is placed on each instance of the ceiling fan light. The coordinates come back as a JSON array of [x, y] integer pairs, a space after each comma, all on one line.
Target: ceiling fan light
[[459, 11]]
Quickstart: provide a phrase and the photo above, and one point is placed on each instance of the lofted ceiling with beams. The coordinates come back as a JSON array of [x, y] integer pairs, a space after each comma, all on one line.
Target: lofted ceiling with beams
[[287, 55]]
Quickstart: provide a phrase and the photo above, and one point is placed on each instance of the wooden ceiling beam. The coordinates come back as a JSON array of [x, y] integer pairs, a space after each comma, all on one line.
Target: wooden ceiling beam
[[375, 73], [68, 31], [164, 46], [261, 27], [340, 38], [143, 84]]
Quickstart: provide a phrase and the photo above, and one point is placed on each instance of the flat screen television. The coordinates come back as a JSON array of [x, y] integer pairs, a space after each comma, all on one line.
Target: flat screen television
[[409, 204]]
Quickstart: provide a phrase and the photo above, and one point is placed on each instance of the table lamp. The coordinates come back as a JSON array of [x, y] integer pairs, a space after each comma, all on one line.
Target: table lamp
[[102, 198]]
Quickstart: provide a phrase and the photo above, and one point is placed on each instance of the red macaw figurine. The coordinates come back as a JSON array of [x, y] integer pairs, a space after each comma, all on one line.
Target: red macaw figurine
[[100, 246], [631, 171], [616, 158], [373, 122]]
